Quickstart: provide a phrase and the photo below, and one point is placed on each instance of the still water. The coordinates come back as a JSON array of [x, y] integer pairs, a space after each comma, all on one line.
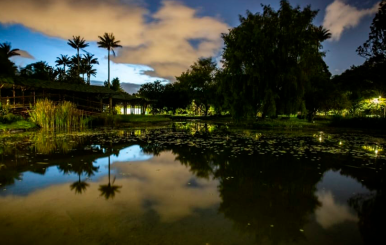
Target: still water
[[199, 184]]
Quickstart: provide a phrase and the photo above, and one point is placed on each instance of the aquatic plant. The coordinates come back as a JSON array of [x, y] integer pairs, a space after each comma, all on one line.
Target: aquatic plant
[[64, 115]]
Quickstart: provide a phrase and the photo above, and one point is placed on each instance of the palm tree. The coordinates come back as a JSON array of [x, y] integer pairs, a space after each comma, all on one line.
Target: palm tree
[[77, 43], [108, 42], [90, 60], [7, 51], [63, 60], [90, 72]]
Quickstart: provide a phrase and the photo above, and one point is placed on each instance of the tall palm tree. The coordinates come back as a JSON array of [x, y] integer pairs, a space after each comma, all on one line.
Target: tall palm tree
[[77, 43], [5, 48], [63, 60], [108, 42]]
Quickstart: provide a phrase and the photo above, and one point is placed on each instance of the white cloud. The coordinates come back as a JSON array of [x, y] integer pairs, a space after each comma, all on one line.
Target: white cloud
[[159, 40], [341, 16]]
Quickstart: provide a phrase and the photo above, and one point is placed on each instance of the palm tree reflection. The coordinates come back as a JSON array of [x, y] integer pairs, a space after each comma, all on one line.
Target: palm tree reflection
[[109, 190], [79, 186], [79, 168]]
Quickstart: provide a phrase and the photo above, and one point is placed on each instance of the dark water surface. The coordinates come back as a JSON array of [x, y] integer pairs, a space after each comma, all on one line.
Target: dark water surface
[[197, 184]]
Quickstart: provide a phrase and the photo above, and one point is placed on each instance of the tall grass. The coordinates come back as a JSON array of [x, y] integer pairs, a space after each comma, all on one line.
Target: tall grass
[[63, 115]]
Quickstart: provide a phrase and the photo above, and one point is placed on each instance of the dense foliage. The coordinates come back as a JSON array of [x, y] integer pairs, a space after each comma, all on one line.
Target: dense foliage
[[272, 64]]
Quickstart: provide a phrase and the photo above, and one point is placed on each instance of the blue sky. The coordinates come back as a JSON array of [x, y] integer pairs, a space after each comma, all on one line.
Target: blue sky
[[162, 38]]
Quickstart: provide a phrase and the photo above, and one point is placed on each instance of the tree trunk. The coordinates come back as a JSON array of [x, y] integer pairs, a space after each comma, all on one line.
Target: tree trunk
[[111, 105], [14, 95], [206, 110], [78, 62], [108, 67], [311, 115]]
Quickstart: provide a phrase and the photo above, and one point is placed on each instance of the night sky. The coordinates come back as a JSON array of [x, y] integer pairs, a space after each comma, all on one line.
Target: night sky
[[163, 38]]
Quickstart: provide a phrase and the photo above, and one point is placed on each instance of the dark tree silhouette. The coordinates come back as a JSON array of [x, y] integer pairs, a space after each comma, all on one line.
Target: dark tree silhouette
[[63, 60], [374, 49], [6, 49], [77, 43], [90, 60], [269, 60]]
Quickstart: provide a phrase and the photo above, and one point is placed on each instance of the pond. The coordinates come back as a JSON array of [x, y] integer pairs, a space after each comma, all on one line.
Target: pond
[[192, 183]]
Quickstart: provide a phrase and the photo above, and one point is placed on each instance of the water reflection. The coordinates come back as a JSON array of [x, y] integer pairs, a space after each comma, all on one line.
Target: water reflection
[[109, 190], [214, 187], [331, 212], [79, 168], [371, 212]]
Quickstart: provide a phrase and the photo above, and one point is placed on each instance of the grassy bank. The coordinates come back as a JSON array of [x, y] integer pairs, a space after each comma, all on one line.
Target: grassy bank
[[18, 125], [291, 123], [142, 119]]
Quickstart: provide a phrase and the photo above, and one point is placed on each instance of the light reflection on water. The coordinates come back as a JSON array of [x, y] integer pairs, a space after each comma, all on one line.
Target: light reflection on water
[[172, 187]]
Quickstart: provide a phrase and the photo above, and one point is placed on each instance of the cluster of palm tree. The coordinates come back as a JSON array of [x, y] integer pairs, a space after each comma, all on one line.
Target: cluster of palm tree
[[83, 64], [77, 64]]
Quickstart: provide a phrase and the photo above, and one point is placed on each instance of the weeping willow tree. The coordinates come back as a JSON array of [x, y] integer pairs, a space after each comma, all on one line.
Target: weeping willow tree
[[269, 61]]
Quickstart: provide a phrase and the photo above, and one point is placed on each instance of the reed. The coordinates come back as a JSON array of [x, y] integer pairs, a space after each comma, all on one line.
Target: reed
[[63, 115]]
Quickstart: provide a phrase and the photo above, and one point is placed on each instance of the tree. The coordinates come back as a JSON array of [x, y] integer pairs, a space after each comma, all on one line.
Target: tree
[[74, 71], [108, 42], [171, 97], [90, 60], [269, 60], [63, 60], [374, 49], [5, 48], [360, 83], [153, 92], [39, 70], [90, 72], [77, 43], [199, 80], [7, 67], [115, 85]]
